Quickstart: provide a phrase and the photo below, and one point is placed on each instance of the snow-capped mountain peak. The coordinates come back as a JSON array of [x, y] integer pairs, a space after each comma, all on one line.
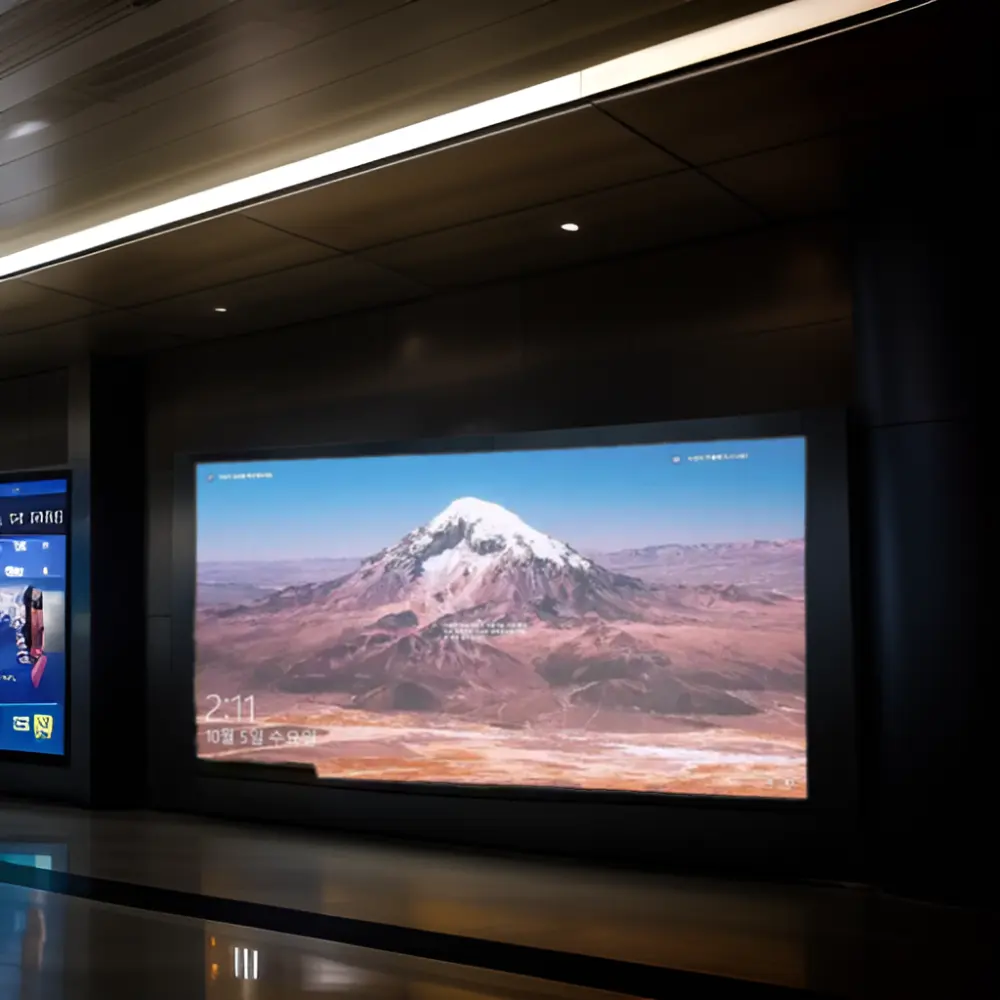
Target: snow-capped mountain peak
[[472, 509], [478, 557], [488, 528]]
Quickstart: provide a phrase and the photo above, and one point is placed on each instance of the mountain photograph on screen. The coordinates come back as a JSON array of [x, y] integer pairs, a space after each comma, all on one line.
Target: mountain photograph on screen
[[619, 618]]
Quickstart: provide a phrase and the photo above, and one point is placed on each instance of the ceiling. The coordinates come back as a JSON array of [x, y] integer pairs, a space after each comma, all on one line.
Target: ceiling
[[753, 144], [143, 101]]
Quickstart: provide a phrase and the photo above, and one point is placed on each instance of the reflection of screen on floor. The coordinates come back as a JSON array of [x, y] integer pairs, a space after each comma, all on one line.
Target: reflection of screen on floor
[[31, 927], [618, 618], [33, 527]]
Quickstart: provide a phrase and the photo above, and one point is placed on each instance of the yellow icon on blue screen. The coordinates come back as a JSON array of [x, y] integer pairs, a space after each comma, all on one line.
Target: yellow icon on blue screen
[[44, 725]]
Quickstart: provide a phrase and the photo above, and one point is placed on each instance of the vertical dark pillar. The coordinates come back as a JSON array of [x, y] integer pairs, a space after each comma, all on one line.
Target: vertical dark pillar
[[918, 511], [117, 582]]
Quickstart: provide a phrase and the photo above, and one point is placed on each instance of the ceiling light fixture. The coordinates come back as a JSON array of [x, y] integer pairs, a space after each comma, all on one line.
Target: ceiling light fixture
[[221, 309], [21, 129], [757, 29], [570, 227]]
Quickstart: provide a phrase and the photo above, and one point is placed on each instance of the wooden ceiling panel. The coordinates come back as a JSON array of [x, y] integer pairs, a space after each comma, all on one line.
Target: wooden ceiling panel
[[775, 277], [388, 68], [805, 178], [157, 71], [33, 29], [73, 339], [196, 257], [335, 56], [485, 210], [25, 306], [647, 213], [805, 91], [22, 353], [311, 291], [565, 155]]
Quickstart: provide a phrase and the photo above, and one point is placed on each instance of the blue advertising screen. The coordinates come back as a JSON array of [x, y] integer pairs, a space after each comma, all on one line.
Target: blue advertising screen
[[33, 526]]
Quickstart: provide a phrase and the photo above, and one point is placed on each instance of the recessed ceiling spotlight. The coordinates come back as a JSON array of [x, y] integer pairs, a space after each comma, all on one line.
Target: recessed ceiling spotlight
[[221, 309], [21, 129], [570, 227]]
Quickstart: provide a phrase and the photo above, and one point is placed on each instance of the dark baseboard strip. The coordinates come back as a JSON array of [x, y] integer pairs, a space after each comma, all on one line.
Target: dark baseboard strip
[[646, 981]]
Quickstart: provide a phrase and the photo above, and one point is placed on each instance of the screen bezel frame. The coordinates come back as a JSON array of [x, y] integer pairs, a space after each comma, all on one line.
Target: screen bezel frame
[[29, 756], [831, 753]]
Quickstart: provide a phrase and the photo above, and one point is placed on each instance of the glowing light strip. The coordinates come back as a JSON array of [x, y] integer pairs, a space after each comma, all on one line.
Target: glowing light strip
[[759, 28], [765, 26]]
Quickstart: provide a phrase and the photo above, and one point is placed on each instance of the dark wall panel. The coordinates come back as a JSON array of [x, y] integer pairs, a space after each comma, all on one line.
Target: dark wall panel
[[675, 309], [117, 626], [33, 412], [921, 293], [754, 324]]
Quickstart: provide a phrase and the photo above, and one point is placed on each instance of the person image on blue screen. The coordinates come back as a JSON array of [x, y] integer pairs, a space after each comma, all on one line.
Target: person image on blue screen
[[22, 641], [31, 672]]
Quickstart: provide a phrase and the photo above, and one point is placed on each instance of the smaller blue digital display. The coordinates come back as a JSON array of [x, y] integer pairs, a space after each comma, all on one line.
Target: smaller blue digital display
[[33, 527]]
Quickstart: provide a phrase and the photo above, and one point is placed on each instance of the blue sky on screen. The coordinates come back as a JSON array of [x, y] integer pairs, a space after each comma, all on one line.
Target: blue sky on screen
[[598, 499]]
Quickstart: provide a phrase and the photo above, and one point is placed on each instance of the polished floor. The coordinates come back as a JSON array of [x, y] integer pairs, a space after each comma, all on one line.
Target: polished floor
[[62, 948], [112, 902]]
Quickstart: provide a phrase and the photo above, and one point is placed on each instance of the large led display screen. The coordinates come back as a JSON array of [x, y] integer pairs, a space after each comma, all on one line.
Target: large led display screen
[[624, 618], [33, 524]]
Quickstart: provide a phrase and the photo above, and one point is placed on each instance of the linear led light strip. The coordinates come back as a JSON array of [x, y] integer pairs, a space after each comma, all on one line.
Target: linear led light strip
[[760, 28]]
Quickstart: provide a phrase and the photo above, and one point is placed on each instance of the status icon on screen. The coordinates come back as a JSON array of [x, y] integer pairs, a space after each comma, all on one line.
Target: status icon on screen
[[44, 724]]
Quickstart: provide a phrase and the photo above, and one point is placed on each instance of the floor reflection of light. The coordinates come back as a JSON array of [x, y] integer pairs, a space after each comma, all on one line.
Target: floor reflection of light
[[43, 862], [324, 975], [245, 963]]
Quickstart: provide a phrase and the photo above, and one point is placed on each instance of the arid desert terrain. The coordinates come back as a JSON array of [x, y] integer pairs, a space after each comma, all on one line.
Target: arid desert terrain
[[480, 650]]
